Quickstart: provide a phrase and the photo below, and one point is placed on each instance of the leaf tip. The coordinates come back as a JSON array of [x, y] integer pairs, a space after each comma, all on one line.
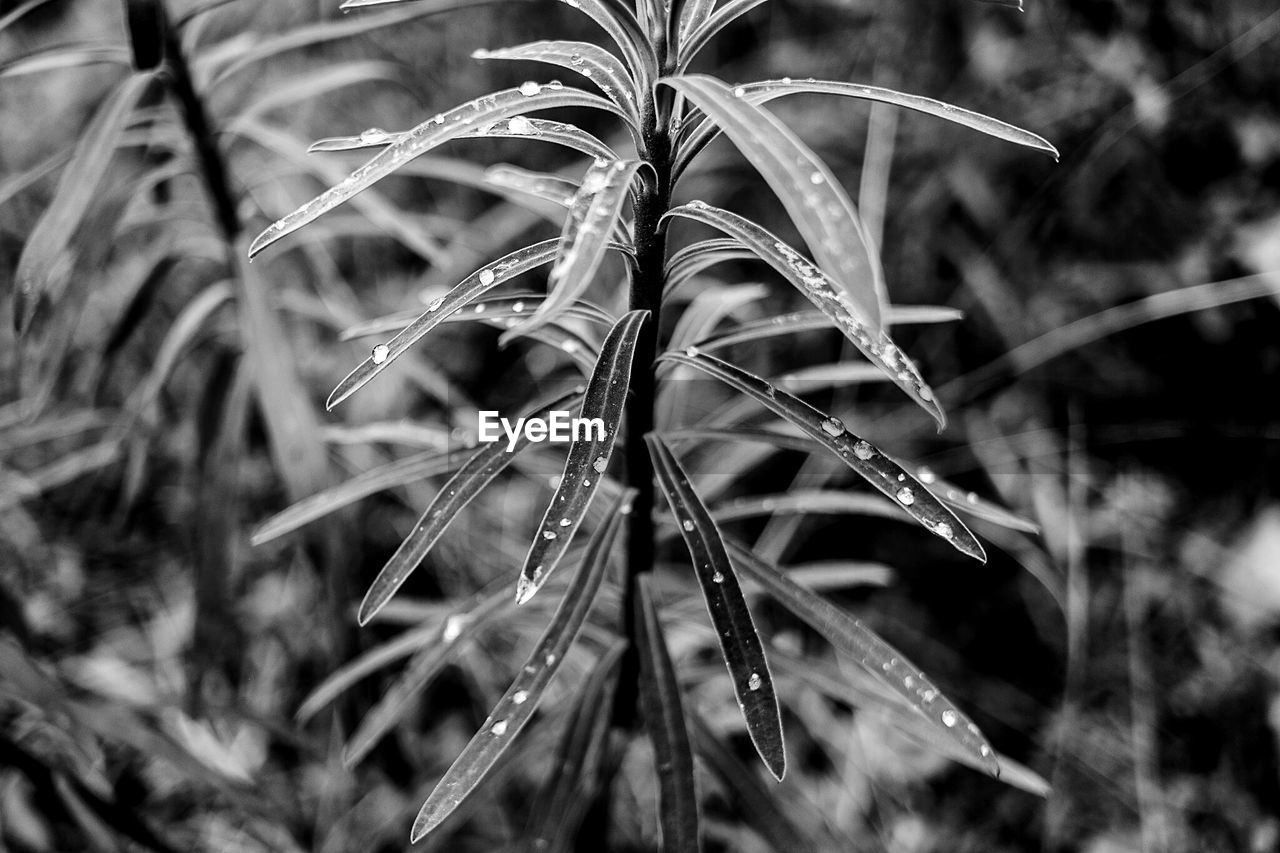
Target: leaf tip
[[525, 590]]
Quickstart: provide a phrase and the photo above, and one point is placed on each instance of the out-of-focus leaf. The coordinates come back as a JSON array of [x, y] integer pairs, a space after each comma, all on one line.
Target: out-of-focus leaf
[[708, 308], [588, 456], [480, 281], [735, 630], [435, 131], [595, 63], [866, 647], [664, 719], [16, 13], [593, 213], [398, 473], [521, 699], [971, 503], [827, 296], [552, 189], [66, 56], [463, 487], [837, 375], [872, 465], [813, 198], [45, 263], [574, 778], [313, 83], [767, 90], [455, 631]]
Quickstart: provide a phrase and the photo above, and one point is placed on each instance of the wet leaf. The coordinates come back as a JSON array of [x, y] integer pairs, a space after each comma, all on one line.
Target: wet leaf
[[592, 62], [826, 295], [621, 25], [866, 647], [817, 204], [517, 705], [696, 257], [721, 18], [665, 722], [735, 630], [872, 465], [588, 456], [463, 487], [809, 321]]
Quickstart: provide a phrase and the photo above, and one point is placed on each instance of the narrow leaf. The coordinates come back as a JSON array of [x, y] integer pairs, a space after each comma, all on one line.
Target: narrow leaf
[[621, 25], [593, 214], [809, 321], [517, 705], [813, 198], [463, 487], [721, 18], [826, 295], [589, 60], [972, 504], [739, 643], [45, 263], [865, 646], [877, 469], [428, 135], [588, 456], [696, 257], [512, 305], [664, 719]]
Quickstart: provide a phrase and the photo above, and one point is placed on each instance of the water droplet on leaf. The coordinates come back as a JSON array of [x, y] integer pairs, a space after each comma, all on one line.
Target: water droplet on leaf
[[906, 496], [380, 353]]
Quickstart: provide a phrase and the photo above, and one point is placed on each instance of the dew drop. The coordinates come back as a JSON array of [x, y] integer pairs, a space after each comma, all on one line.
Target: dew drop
[[739, 91], [529, 88], [520, 697], [480, 308], [518, 307], [815, 178], [453, 627], [600, 464], [692, 352], [373, 136], [687, 525], [487, 277], [863, 451], [548, 534], [520, 125], [569, 346], [435, 304], [564, 522], [755, 681], [380, 353], [949, 718], [718, 577], [971, 498], [499, 728], [833, 426], [926, 475], [906, 496]]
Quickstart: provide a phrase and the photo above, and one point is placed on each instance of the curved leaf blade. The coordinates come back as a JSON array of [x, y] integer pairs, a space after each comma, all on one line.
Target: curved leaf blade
[[696, 257], [887, 476], [621, 25], [593, 214], [875, 655], [707, 30], [820, 208], [591, 61], [826, 296], [429, 134], [735, 629], [463, 487], [588, 455], [665, 720], [517, 705]]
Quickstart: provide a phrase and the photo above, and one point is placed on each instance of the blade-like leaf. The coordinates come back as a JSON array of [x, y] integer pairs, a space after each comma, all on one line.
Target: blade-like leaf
[[813, 198], [621, 25], [588, 455], [972, 504], [551, 188], [595, 63], [45, 261], [429, 134], [476, 473], [469, 288], [809, 321], [872, 465], [516, 127], [721, 18], [696, 257], [521, 699], [664, 719], [826, 295], [510, 306], [593, 214], [866, 647], [697, 136], [736, 631]]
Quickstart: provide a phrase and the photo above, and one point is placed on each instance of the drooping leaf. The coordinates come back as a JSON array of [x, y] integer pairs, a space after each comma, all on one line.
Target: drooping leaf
[[45, 263], [463, 487], [575, 775], [480, 281], [426, 664], [818, 206], [593, 214], [588, 456], [872, 465], [862, 644], [517, 705], [697, 136], [827, 296], [516, 127], [398, 473], [589, 60], [665, 722], [429, 134], [735, 630]]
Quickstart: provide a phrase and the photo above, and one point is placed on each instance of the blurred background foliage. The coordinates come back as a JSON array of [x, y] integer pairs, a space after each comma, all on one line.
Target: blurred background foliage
[[1114, 378]]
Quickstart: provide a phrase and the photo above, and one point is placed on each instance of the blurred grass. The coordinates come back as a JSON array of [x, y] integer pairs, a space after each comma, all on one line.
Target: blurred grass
[[156, 661]]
